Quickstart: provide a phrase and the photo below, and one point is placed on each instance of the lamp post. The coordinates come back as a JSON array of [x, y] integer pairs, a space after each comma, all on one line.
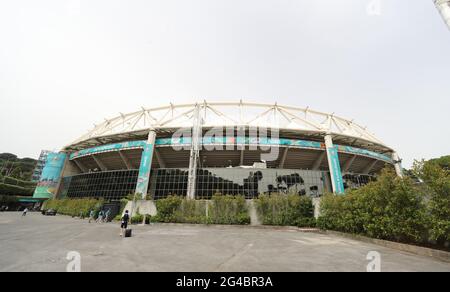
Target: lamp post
[[444, 8]]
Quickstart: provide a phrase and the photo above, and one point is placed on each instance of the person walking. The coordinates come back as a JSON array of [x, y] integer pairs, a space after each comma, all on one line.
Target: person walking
[[91, 215], [124, 223], [25, 211], [107, 213], [100, 216]]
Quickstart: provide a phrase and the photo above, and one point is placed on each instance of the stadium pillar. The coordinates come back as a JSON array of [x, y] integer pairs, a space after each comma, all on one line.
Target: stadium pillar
[[334, 166], [195, 153], [397, 164], [146, 165]]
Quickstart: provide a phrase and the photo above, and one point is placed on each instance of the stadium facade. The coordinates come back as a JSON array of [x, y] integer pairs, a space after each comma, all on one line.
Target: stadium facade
[[198, 150]]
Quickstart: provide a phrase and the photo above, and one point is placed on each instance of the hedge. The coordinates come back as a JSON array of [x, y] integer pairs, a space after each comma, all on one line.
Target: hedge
[[390, 208], [286, 210], [74, 207], [229, 210], [221, 210]]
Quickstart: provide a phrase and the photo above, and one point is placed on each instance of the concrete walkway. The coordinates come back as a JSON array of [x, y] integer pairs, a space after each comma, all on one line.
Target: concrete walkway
[[39, 243]]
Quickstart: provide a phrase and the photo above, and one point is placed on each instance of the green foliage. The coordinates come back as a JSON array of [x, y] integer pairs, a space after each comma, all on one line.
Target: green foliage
[[443, 162], [221, 210], [167, 208], [11, 165], [436, 177], [8, 200], [390, 208], [123, 204], [13, 190], [286, 210], [228, 210], [74, 207], [191, 211], [17, 182]]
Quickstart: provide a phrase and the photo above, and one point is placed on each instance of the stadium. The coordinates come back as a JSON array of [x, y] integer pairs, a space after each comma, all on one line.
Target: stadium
[[198, 150]]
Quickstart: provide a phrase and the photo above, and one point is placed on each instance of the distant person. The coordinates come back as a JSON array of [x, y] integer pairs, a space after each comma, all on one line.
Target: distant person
[[124, 223], [24, 213], [91, 215], [100, 216], [108, 212]]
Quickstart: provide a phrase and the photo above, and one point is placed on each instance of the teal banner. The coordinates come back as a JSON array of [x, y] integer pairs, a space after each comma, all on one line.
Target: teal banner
[[51, 175], [186, 141], [144, 170], [335, 171], [108, 148]]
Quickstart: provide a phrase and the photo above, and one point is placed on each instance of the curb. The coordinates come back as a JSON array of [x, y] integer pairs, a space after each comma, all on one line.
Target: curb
[[413, 249]]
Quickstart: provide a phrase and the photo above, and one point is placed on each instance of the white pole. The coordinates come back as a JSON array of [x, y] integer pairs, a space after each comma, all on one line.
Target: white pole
[[444, 8]]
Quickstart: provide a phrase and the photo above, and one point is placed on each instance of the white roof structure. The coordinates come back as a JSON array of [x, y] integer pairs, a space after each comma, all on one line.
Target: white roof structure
[[291, 121]]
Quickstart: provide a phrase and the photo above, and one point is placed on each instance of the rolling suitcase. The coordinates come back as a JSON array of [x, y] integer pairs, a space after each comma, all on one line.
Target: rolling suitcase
[[128, 232]]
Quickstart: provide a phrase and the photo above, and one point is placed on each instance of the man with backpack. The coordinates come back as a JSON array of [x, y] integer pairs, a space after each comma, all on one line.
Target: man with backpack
[[124, 224]]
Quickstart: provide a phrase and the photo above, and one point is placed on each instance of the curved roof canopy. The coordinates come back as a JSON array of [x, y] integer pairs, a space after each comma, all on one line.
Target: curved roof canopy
[[291, 121]]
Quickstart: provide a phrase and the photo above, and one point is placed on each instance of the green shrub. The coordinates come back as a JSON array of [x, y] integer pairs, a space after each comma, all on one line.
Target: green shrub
[[228, 210], [286, 210], [167, 208], [74, 207], [390, 208], [191, 211], [221, 210], [6, 189], [8, 199], [17, 182], [436, 176], [123, 204]]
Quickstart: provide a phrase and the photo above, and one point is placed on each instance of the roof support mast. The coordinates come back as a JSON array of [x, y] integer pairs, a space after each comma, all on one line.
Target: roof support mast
[[195, 152]]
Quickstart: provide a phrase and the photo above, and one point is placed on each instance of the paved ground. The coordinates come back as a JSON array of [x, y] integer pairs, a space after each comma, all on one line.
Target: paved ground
[[39, 243]]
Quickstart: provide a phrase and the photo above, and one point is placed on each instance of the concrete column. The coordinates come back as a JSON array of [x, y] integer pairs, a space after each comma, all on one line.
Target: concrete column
[[80, 166], [283, 158], [318, 162], [348, 164], [195, 152], [100, 164], [334, 166], [125, 160], [158, 156], [397, 164], [146, 165]]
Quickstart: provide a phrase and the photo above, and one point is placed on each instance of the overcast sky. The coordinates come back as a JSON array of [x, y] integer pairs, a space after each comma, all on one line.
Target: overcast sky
[[65, 65]]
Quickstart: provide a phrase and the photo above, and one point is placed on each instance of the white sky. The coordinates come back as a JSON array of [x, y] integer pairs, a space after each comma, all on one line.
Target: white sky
[[65, 65]]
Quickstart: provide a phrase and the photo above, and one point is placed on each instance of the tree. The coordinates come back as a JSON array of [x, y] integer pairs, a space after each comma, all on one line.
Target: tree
[[436, 178]]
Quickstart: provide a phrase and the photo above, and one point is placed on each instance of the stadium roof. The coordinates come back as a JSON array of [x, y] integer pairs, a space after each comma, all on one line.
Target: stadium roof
[[291, 121]]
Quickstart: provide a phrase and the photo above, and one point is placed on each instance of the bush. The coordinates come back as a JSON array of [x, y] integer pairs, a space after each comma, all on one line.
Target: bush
[[17, 182], [8, 199], [228, 210], [167, 208], [13, 190], [436, 176], [221, 210], [286, 210], [390, 208], [74, 207], [191, 211]]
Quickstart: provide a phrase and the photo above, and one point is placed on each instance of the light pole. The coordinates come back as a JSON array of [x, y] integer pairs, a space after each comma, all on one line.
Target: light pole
[[444, 8]]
